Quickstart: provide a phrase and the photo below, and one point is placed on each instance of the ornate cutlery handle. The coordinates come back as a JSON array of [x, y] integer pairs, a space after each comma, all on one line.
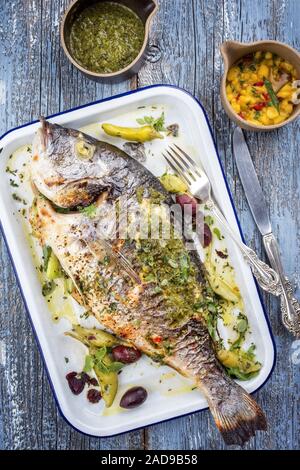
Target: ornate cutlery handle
[[265, 275], [290, 307]]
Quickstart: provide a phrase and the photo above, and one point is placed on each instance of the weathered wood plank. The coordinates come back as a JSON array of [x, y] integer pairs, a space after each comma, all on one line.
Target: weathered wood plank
[[39, 80], [36, 78]]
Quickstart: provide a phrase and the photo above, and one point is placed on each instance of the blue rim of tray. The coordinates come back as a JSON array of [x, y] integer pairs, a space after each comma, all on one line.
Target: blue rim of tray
[[110, 98]]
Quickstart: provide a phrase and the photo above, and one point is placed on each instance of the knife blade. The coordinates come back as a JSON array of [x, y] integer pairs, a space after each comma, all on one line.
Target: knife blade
[[250, 182], [290, 306]]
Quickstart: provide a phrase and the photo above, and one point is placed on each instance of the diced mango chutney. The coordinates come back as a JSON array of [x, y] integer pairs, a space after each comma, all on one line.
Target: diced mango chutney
[[260, 89]]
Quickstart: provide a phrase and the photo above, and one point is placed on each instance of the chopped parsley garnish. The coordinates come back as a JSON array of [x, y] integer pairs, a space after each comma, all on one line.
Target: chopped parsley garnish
[[90, 211], [13, 183], [209, 220], [242, 325], [158, 124], [12, 172], [16, 197], [88, 364], [47, 250], [241, 328], [99, 360], [48, 287], [217, 232]]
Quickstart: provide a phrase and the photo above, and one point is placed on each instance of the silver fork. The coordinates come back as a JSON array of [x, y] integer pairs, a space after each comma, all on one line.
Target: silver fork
[[200, 187]]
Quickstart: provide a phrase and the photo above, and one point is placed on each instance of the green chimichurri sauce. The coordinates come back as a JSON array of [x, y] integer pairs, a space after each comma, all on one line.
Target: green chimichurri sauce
[[106, 37]]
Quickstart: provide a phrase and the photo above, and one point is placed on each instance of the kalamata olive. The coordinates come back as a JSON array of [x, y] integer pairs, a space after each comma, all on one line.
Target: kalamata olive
[[125, 354], [76, 382], [207, 236], [93, 395], [135, 396], [92, 381], [188, 203], [221, 254]]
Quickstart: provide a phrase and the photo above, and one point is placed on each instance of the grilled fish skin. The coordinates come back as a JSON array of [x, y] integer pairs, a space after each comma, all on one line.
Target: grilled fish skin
[[69, 179], [139, 312]]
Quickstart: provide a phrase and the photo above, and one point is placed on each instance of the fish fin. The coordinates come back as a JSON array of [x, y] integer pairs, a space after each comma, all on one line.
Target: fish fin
[[237, 416]]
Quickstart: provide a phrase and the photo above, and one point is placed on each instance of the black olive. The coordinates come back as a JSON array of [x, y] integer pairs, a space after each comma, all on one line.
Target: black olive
[[135, 396]]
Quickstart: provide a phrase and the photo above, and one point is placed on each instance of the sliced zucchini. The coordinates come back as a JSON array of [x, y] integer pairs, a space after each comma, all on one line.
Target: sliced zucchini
[[108, 382], [53, 267], [68, 285], [93, 337]]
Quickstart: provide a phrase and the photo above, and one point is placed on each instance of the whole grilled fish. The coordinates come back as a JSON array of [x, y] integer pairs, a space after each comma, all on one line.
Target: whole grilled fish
[[164, 314]]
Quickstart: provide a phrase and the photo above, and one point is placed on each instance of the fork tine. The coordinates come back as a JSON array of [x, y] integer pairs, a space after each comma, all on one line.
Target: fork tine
[[118, 256], [190, 162], [121, 219], [185, 169], [176, 169]]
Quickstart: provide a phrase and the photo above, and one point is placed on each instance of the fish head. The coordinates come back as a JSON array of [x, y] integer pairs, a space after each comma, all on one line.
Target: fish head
[[66, 165]]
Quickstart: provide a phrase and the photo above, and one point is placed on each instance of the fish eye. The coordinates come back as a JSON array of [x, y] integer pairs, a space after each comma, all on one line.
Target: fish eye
[[84, 150]]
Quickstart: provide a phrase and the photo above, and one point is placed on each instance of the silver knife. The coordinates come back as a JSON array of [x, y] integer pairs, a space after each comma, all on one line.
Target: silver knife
[[290, 307]]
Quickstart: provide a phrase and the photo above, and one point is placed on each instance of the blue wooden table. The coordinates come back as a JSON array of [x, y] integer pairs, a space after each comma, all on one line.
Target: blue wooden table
[[36, 78]]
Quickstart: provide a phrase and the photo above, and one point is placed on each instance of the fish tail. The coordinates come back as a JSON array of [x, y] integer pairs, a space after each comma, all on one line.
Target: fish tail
[[236, 413]]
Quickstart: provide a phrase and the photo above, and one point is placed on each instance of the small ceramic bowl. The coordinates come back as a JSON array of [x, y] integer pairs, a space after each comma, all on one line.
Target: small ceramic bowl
[[232, 51], [145, 9]]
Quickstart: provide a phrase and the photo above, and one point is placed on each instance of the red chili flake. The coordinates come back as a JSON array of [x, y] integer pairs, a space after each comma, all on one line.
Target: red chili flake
[[258, 106], [157, 339], [238, 96], [76, 382], [248, 57], [93, 395], [258, 84], [266, 96], [221, 254], [242, 115], [91, 337]]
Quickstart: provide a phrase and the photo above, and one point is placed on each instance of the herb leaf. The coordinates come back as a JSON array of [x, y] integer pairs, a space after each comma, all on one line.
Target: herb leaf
[[99, 355], [209, 220], [62, 210], [235, 373], [158, 124], [88, 364], [47, 250], [89, 211], [217, 233], [48, 287], [242, 326], [272, 95], [115, 366], [12, 172], [172, 263]]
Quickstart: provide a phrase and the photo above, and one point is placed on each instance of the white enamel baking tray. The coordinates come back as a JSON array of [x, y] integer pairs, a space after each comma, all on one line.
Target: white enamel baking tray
[[169, 394]]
